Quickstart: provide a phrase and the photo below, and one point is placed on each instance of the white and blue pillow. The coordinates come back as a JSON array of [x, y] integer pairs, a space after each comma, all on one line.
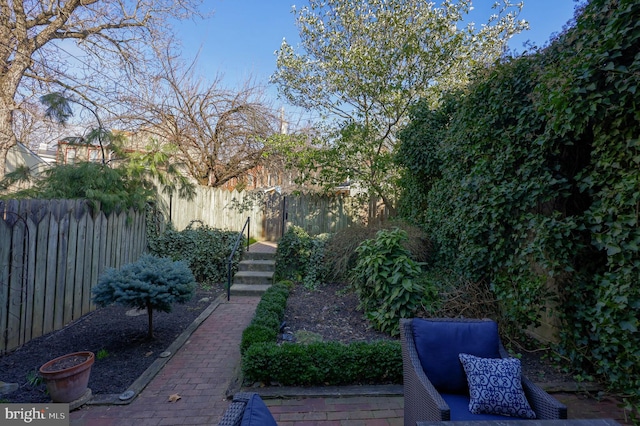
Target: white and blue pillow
[[495, 386]]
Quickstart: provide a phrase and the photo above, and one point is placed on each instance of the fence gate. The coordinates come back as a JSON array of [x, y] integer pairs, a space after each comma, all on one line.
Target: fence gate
[[275, 216]]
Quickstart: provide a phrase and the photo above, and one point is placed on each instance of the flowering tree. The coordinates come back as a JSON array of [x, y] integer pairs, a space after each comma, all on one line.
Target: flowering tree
[[364, 62]]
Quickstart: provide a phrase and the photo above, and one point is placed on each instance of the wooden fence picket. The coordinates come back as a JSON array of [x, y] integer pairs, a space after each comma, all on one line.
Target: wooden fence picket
[[51, 259], [223, 209]]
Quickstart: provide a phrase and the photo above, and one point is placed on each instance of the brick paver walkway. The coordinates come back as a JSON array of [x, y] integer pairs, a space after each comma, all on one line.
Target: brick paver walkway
[[202, 370], [346, 411]]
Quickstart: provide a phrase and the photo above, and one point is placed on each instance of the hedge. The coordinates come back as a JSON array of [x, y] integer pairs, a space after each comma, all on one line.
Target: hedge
[[316, 364]]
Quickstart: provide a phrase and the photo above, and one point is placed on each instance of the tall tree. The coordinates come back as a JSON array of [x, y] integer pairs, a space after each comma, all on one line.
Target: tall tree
[[74, 45], [218, 133], [364, 62]]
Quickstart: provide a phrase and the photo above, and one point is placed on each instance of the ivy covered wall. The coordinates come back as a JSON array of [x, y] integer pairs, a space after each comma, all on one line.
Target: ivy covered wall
[[531, 176]]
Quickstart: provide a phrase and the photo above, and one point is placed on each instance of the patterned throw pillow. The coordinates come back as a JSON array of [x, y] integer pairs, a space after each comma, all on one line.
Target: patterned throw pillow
[[495, 386]]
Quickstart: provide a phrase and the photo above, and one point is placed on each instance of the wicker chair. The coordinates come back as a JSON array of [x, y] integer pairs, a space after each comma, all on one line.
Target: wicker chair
[[423, 402], [242, 402]]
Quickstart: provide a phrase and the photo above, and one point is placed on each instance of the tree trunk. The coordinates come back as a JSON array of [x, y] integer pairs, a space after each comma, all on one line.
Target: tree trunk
[[150, 316], [7, 137]]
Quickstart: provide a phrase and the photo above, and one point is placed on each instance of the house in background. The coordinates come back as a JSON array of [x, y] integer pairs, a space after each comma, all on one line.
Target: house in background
[[20, 155], [72, 150]]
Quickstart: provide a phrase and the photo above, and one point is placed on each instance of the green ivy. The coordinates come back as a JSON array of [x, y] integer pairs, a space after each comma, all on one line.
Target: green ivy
[[316, 269], [529, 179], [300, 257], [206, 250]]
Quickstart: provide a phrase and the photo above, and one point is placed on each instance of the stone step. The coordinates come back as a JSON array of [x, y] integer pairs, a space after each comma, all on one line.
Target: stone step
[[257, 255], [249, 289], [253, 277], [257, 265]]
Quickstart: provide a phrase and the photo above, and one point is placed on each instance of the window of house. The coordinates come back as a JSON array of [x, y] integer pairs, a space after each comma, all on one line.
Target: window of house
[[70, 156], [94, 155]]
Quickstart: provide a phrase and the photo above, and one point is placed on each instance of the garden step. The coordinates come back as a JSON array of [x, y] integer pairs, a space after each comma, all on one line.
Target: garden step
[[249, 289], [257, 255], [257, 265], [253, 277], [255, 274]]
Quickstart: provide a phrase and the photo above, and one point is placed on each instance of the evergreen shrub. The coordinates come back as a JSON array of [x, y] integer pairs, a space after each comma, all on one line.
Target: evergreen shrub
[[323, 363], [151, 283], [263, 360], [268, 317]]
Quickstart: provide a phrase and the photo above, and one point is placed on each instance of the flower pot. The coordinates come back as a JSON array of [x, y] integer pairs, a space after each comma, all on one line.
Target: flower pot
[[67, 376]]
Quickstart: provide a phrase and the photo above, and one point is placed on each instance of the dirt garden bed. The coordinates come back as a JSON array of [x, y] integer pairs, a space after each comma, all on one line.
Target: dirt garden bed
[[330, 313]]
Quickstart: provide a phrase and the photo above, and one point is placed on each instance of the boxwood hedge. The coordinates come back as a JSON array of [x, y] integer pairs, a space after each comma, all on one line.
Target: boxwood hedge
[[316, 364]]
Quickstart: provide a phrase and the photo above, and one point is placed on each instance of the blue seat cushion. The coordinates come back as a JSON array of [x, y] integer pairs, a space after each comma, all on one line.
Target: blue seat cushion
[[459, 406], [439, 343], [256, 413]]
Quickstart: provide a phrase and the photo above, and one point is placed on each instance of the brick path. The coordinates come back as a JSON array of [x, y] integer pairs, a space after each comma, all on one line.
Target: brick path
[[203, 369], [200, 372], [346, 411]]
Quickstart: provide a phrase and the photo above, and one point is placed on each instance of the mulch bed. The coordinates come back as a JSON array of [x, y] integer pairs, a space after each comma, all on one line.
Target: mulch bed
[[116, 335], [330, 313]]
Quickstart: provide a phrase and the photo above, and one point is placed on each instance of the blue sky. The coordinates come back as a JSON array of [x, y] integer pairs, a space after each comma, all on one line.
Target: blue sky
[[240, 38]]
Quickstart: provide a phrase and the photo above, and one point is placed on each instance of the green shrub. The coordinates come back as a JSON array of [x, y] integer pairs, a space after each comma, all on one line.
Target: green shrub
[[256, 333], [151, 283], [340, 255], [316, 269], [300, 257], [293, 254], [269, 314], [206, 250], [325, 363], [316, 363], [532, 180], [267, 319], [388, 282]]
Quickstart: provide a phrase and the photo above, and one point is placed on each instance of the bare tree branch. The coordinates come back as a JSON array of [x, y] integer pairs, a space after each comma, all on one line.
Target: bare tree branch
[[219, 133], [83, 46]]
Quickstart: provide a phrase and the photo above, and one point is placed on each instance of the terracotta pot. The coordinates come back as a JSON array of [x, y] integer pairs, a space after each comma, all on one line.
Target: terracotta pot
[[67, 376]]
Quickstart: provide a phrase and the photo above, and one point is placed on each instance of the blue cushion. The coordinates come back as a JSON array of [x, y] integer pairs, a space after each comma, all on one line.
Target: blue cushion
[[495, 386], [439, 343], [459, 406], [256, 413]]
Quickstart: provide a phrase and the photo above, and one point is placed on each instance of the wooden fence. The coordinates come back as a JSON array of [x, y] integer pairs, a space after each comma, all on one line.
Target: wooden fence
[[51, 254], [270, 213], [52, 251]]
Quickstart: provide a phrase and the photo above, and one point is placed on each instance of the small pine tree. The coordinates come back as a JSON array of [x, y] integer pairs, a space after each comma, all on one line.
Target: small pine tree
[[151, 283]]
